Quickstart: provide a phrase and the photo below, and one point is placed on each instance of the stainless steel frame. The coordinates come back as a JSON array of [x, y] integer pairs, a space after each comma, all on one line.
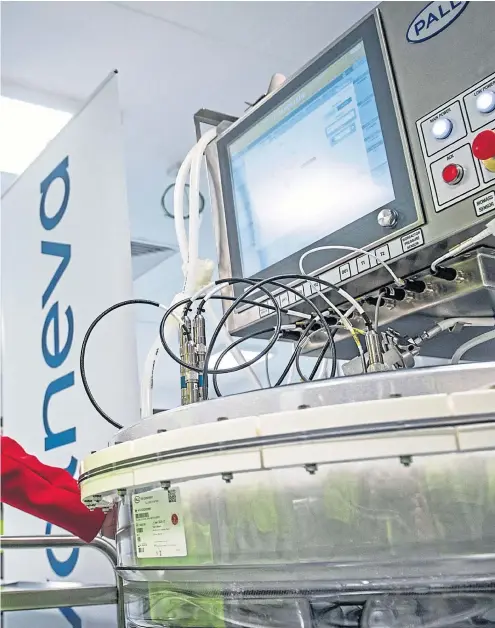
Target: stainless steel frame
[[23, 596]]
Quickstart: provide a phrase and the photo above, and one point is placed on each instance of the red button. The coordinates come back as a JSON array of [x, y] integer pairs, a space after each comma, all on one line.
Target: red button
[[484, 145], [452, 174]]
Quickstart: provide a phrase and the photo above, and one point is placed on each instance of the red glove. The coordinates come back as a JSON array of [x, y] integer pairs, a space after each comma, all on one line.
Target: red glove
[[45, 492]]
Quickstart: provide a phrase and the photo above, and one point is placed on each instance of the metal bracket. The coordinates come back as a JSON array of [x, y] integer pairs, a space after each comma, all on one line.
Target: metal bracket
[[211, 118]]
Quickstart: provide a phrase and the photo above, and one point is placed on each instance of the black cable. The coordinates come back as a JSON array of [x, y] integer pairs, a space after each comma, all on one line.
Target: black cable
[[298, 366], [232, 346], [257, 286], [222, 297], [274, 281], [319, 360], [329, 343], [206, 371], [267, 371], [287, 368], [82, 359], [297, 354], [323, 282]]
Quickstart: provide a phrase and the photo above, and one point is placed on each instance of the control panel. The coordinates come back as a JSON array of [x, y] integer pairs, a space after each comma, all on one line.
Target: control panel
[[458, 144], [337, 275], [379, 144]]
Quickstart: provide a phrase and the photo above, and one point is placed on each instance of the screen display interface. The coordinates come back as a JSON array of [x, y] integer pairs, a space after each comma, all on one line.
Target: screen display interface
[[310, 167]]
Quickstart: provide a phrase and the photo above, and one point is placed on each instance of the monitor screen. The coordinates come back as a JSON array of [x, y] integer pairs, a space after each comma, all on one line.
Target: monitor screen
[[311, 166]]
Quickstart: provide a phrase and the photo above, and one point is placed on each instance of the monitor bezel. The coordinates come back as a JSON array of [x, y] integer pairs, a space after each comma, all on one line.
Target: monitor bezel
[[365, 231]]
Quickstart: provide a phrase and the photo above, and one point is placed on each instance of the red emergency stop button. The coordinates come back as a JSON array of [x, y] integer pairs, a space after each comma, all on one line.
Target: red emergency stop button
[[452, 174], [484, 148]]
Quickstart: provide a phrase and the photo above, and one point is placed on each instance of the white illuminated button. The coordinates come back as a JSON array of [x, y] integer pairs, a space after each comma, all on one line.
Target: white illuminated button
[[485, 103], [442, 128]]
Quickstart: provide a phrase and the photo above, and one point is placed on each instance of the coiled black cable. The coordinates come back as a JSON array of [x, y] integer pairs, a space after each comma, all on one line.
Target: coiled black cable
[[289, 364], [255, 285], [239, 341], [259, 285], [207, 371], [82, 357]]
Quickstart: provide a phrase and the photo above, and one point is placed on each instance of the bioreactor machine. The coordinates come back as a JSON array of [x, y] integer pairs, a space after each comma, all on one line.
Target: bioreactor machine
[[354, 211], [385, 142]]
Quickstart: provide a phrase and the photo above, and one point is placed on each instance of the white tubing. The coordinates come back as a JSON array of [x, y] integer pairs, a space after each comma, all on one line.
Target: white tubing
[[471, 344], [488, 231], [398, 281], [146, 391], [180, 224], [194, 222], [448, 323], [193, 159], [147, 379], [149, 369]]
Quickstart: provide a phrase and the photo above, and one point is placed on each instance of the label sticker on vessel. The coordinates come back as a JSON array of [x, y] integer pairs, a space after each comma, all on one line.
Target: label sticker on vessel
[[159, 524], [484, 204]]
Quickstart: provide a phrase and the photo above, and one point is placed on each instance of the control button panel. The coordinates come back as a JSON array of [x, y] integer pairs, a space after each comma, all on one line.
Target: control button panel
[[480, 105], [454, 175], [443, 128], [458, 144]]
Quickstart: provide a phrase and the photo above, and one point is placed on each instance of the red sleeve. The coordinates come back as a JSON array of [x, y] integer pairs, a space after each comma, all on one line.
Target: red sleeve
[[45, 492]]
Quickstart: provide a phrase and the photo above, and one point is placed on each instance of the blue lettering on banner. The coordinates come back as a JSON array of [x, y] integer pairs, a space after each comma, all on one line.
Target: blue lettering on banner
[[72, 617], [56, 349], [434, 18]]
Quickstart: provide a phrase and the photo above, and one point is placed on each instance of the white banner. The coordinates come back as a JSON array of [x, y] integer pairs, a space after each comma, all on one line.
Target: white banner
[[65, 248]]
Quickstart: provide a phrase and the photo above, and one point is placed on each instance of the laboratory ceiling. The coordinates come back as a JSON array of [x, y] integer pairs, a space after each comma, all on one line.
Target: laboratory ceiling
[[173, 58]]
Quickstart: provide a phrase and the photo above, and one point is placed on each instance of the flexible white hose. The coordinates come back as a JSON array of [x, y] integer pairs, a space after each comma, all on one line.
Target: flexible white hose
[[478, 321], [488, 231], [398, 281], [147, 379], [194, 221], [471, 344], [182, 239], [149, 368], [179, 189]]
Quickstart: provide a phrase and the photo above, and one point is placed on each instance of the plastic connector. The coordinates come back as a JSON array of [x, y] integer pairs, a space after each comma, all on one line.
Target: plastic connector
[[449, 274], [415, 285], [395, 294]]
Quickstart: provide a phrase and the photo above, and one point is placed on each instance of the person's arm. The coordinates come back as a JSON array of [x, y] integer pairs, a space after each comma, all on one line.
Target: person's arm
[[45, 492]]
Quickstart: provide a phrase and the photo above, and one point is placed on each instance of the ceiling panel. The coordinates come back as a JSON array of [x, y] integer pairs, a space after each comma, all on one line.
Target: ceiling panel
[[285, 30]]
